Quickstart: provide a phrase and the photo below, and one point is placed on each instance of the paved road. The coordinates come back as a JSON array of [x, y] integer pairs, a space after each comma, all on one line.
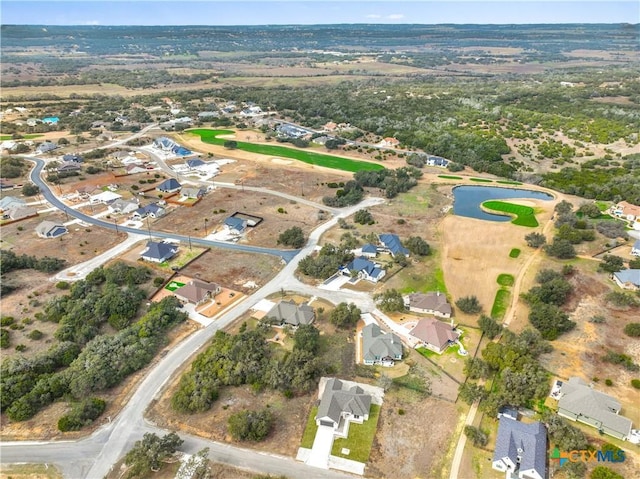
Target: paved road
[[94, 456], [286, 255]]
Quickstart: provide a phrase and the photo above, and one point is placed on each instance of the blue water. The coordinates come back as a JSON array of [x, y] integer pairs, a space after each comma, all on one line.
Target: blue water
[[467, 200]]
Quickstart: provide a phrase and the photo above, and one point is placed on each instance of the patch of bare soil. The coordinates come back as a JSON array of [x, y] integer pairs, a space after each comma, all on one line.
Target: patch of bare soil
[[411, 445]]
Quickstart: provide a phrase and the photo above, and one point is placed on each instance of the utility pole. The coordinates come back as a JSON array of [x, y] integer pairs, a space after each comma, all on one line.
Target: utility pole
[[205, 227], [189, 243], [148, 227], [115, 222]]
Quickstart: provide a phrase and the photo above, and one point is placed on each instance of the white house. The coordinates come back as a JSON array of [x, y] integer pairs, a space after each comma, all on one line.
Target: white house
[[364, 269], [341, 403], [635, 249]]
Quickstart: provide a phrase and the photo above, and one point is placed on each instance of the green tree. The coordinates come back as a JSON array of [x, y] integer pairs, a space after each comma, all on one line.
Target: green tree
[[148, 453], [590, 209], [293, 237], [250, 425], [390, 301], [489, 326], [345, 315], [469, 305], [561, 249], [563, 207], [603, 472], [632, 330], [29, 189], [363, 217], [476, 435], [611, 263], [550, 320], [417, 246], [634, 263], [535, 240], [471, 392], [307, 338], [230, 144], [476, 368]]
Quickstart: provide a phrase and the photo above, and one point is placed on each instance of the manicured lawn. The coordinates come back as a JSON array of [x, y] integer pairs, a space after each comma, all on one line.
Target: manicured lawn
[[481, 180], [506, 182], [505, 279], [24, 137], [524, 215], [310, 430], [174, 285], [335, 162], [360, 438], [427, 353], [500, 304], [450, 177], [514, 253]]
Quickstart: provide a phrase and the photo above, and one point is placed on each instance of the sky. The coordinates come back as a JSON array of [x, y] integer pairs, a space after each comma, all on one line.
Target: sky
[[306, 12]]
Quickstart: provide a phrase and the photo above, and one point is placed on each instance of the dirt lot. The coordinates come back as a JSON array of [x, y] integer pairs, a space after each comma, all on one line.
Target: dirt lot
[[216, 206]]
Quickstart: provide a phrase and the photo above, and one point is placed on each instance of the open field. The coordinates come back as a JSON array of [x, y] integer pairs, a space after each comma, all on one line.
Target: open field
[[311, 157], [524, 215], [30, 471]]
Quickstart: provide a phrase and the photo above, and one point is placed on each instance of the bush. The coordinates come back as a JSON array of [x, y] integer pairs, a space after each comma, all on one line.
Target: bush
[[21, 347], [157, 281], [345, 315], [632, 330], [477, 435], [608, 382], [62, 285], [293, 237], [35, 335], [363, 217], [620, 299], [612, 229], [82, 414], [469, 305], [635, 383], [535, 240], [7, 320], [390, 301], [561, 249], [250, 425], [417, 246], [29, 189], [489, 326], [5, 340]]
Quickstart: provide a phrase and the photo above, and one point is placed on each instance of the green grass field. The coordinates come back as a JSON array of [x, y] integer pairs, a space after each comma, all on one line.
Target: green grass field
[[505, 279], [311, 157], [450, 177], [24, 137], [507, 182], [174, 285], [524, 215], [514, 253], [360, 438], [309, 433], [500, 304]]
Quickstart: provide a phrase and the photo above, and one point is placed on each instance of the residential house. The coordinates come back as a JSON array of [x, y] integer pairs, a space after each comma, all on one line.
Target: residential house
[[9, 202], [51, 120], [392, 244], [369, 250], [364, 269], [291, 131], [170, 185], [208, 114], [133, 169], [159, 252], [627, 211], [235, 225], [635, 249], [8, 145], [123, 207], [379, 347], [437, 161], [628, 279], [341, 403], [428, 303], [197, 291], [580, 402], [19, 212], [49, 229], [72, 158], [46, 146], [388, 143], [152, 210], [68, 166], [195, 163], [521, 449], [164, 143], [435, 335], [105, 197], [6, 184], [251, 111], [186, 193], [288, 313]]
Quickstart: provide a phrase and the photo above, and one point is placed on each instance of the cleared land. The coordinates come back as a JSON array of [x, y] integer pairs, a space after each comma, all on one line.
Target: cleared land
[[328, 161], [524, 215]]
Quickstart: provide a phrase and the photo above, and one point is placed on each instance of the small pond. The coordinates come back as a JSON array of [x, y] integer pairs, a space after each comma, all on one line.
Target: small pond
[[467, 200]]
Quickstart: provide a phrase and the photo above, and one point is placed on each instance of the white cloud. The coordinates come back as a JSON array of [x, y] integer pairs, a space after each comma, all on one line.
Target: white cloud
[[91, 22], [396, 16], [374, 15]]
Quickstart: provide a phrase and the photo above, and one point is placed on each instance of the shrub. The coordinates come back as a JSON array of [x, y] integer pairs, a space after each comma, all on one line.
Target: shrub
[[7, 320], [417, 246], [35, 335], [82, 414], [5, 340], [293, 237], [21, 347], [608, 382], [250, 425], [157, 281], [62, 285], [363, 217], [477, 435], [635, 383], [469, 305], [632, 330]]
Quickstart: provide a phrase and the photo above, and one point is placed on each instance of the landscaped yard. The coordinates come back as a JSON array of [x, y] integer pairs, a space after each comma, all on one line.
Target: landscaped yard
[[500, 304], [524, 215], [360, 438], [173, 285], [328, 161]]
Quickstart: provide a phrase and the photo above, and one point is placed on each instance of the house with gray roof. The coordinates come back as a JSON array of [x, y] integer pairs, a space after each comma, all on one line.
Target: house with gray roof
[[342, 403], [635, 249], [193, 193], [580, 402], [170, 185], [123, 207], [158, 252], [434, 334], [521, 449], [428, 303], [392, 244], [19, 212], [364, 269], [235, 225], [49, 229], [288, 313], [628, 279], [153, 210], [46, 146], [197, 291], [379, 347], [8, 202]]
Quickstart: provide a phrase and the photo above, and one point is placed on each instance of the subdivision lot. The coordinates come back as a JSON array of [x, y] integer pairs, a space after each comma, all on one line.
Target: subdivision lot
[[209, 214]]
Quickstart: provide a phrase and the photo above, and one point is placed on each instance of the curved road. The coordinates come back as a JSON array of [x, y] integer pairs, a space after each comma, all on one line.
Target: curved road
[[286, 255], [93, 457]]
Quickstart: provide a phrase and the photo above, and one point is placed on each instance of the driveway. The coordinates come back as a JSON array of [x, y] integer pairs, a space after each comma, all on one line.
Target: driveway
[[321, 450]]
